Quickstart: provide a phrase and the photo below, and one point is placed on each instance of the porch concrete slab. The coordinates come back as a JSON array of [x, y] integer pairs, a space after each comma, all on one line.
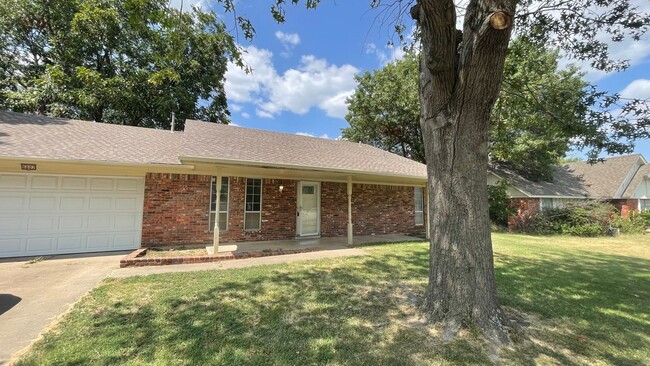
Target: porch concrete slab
[[34, 293], [238, 263], [307, 243]]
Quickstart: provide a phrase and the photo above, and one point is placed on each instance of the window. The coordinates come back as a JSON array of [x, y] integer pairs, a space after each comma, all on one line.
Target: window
[[253, 207], [645, 205], [419, 206], [223, 203], [547, 203]]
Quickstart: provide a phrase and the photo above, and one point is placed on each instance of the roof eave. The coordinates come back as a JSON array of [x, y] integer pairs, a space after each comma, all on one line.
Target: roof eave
[[260, 164]]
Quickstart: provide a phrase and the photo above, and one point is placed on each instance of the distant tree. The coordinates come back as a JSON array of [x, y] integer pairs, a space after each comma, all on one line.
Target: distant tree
[[129, 62], [384, 110], [541, 113]]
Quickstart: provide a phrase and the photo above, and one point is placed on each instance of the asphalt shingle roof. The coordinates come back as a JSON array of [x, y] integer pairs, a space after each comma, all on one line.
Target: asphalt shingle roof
[[579, 179], [25, 135], [210, 140]]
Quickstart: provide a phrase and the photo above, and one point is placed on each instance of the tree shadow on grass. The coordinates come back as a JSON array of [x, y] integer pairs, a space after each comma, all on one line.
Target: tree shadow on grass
[[346, 312], [595, 305]]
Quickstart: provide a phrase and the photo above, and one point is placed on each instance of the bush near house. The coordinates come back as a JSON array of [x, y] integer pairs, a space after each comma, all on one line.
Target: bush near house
[[594, 219], [499, 204]]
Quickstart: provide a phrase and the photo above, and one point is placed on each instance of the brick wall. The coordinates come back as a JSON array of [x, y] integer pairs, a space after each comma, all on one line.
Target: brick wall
[[625, 206], [176, 210], [376, 209]]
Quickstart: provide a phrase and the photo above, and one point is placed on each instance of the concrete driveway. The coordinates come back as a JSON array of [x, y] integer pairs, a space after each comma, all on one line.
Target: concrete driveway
[[33, 293]]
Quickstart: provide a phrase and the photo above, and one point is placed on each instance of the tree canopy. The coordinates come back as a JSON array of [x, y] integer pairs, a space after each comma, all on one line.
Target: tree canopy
[[542, 112], [129, 62]]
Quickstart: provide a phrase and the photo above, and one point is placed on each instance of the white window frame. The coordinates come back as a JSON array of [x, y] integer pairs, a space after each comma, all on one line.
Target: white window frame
[[421, 208], [216, 217], [245, 204], [644, 204]]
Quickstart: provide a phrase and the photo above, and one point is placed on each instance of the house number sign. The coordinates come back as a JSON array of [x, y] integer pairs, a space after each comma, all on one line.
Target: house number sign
[[24, 166]]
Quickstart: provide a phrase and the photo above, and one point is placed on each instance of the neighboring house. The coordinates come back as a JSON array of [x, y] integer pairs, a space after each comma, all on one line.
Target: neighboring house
[[69, 186], [624, 181]]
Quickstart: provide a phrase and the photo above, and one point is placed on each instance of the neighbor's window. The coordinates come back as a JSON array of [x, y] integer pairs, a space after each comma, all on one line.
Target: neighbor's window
[[253, 208], [223, 203], [547, 203], [645, 205], [419, 206]]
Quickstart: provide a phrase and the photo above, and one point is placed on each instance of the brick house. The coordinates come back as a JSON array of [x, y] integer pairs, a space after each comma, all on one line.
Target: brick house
[[623, 181], [69, 186]]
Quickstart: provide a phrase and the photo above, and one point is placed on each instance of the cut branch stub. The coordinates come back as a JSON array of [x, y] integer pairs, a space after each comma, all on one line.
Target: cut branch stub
[[500, 20]]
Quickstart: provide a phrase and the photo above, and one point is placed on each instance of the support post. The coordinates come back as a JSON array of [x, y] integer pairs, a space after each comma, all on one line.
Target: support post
[[428, 218], [216, 215], [350, 210]]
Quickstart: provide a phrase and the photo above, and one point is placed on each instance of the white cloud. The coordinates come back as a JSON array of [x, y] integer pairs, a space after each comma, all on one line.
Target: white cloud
[[313, 83], [638, 89], [235, 107], [246, 115], [288, 39], [323, 136], [234, 124]]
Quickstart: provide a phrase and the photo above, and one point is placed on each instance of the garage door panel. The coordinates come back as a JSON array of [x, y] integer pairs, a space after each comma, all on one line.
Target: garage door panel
[[71, 223], [40, 223], [98, 242], [42, 203], [101, 184], [12, 203], [70, 242], [42, 214], [38, 245], [74, 183], [9, 224], [72, 203], [44, 182], [13, 182], [10, 246]]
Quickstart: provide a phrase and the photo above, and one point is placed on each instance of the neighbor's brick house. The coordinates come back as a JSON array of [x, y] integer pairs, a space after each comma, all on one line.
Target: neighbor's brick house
[[100, 187], [623, 181]]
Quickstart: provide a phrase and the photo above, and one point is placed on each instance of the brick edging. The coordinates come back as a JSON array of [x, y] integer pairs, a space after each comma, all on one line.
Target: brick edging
[[135, 259]]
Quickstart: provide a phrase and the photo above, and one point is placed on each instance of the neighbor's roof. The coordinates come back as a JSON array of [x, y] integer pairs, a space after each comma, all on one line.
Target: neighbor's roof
[[579, 179], [564, 183], [248, 146], [604, 179], [31, 136], [643, 172]]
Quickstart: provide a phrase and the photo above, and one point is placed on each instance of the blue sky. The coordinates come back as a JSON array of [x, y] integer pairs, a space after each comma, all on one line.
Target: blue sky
[[304, 68]]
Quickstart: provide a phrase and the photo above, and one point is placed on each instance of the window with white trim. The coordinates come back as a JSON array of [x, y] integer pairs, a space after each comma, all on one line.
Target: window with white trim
[[223, 203], [418, 194], [645, 205], [253, 206], [547, 204]]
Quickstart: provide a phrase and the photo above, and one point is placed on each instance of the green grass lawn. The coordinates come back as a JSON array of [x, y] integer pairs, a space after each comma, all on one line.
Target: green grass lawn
[[587, 301]]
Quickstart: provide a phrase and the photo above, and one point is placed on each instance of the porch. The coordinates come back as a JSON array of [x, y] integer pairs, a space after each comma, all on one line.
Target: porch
[[329, 243]]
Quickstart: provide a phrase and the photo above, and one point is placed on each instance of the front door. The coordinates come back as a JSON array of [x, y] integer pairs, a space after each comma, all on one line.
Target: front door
[[309, 209]]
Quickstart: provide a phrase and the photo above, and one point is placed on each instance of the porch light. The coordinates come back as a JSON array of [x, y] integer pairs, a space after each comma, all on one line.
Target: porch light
[[281, 188]]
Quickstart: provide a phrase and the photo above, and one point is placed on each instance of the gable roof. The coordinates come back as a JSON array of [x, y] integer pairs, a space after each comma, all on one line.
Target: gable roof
[[606, 179], [564, 183], [641, 174], [31, 136], [223, 143]]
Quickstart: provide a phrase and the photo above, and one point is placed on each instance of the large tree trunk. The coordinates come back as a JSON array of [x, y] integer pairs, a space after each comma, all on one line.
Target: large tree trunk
[[458, 87]]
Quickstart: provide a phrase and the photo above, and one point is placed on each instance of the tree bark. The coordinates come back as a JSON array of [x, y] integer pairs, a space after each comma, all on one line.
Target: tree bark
[[458, 87]]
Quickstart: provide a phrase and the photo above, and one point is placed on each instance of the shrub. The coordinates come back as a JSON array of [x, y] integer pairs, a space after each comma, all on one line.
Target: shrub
[[592, 219], [635, 224], [499, 203]]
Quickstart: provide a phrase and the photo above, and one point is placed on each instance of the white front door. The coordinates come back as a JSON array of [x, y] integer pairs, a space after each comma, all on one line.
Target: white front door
[[309, 208], [58, 214]]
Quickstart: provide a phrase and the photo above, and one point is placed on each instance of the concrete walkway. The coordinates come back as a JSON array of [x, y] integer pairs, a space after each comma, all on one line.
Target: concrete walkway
[[33, 293], [237, 263]]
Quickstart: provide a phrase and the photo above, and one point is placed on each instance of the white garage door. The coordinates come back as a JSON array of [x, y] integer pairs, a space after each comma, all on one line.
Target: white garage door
[[54, 214]]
